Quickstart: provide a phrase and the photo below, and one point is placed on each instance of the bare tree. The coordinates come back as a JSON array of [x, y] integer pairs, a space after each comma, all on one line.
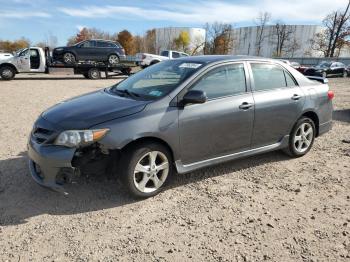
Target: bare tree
[[336, 33], [283, 35], [219, 39], [292, 47], [261, 22]]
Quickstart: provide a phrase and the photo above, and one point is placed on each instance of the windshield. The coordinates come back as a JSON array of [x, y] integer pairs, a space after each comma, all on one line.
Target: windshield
[[324, 64], [157, 80]]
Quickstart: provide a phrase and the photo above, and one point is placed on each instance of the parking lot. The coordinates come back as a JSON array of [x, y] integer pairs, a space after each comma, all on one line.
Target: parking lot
[[267, 207]]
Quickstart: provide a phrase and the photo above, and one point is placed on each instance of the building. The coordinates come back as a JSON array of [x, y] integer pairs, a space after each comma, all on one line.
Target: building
[[297, 45], [165, 37]]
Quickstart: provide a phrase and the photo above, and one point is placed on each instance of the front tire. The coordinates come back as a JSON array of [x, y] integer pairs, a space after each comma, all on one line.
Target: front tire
[[324, 74], [7, 73], [345, 74], [69, 58], [301, 138], [145, 169]]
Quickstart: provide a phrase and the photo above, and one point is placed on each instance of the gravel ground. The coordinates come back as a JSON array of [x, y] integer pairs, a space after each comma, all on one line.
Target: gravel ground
[[267, 207]]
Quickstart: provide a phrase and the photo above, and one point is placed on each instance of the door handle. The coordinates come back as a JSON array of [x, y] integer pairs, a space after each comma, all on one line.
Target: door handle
[[245, 105], [296, 97]]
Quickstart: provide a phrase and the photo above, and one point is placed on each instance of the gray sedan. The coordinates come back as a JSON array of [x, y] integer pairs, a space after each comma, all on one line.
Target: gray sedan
[[178, 116]]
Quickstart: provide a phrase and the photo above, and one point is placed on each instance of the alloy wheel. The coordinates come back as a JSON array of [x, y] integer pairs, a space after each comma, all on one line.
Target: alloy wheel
[[68, 58], [7, 73], [113, 59], [151, 171], [303, 137]]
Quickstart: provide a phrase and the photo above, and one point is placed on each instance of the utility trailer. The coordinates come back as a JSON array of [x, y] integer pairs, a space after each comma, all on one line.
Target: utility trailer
[[38, 60]]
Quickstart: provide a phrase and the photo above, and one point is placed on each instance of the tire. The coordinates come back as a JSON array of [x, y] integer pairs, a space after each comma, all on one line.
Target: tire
[[7, 73], [324, 74], [113, 59], [301, 142], [94, 73], [69, 58], [345, 74], [143, 184]]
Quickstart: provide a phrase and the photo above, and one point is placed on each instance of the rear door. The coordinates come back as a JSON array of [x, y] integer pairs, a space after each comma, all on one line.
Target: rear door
[[221, 125], [103, 49], [278, 102]]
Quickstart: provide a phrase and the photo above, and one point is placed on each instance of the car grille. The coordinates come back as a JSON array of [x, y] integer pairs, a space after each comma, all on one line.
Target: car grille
[[42, 135]]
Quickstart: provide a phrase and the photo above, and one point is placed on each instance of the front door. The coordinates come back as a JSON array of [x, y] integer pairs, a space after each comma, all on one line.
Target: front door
[[223, 124], [87, 50], [278, 103], [23, 61]]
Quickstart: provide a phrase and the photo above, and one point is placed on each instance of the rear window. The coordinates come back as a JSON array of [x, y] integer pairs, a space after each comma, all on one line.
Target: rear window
[[268, 76]]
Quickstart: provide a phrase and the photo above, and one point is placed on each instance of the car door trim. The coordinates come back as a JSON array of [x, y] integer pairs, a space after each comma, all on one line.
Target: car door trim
[[182, 169]]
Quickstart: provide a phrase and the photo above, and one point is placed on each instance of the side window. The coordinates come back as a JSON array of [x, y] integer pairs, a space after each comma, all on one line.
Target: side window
[[164, 53], [267, 76], [176, 55], [222, 81], [289, 79], [34, 53], [101, 44], [88, 44], [24, 53]]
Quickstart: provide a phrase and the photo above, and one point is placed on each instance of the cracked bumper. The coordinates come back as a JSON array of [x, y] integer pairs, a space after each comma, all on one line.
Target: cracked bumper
[[48, 162]]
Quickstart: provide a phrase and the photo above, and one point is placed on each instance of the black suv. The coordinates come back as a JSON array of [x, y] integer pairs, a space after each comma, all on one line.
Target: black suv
[[92, 50], [325, 69]]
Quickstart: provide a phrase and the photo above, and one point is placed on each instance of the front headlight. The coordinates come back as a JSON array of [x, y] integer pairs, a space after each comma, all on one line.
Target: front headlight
[[79, 138]]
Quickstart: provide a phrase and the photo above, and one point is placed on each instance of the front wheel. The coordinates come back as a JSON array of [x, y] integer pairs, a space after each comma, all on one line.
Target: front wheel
[[345, 74], [301, 138], [145, 169], [94, 73], [324, 74], [7, 73], [68, 58]]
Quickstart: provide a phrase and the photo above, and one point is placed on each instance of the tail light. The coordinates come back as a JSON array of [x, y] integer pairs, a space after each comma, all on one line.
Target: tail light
[[330, 95]]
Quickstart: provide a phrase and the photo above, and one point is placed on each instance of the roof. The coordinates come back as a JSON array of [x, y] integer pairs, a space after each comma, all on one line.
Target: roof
[[217, 58]]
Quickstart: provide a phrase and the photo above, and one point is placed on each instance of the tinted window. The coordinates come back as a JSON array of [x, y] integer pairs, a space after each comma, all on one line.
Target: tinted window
[[164, 53], [105, 44], [223, 81], [176, 55], [268, 76], [88, 44]]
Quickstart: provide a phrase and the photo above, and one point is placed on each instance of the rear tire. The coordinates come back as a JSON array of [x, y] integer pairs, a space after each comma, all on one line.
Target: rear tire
[[7, 73], [94, 74], [345, 74], [113, 59], [301, 138], [142, 176]]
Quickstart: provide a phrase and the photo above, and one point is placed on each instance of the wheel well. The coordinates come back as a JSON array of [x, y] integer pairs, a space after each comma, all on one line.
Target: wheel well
[[9, 65], [149, 140], [313, 116], [154, 62]]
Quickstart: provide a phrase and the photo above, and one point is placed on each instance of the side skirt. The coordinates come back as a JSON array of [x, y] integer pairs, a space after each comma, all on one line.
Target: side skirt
[[182, 169]]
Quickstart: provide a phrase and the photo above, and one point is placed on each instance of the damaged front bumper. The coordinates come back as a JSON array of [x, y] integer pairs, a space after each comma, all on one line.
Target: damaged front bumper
[[50, 166]]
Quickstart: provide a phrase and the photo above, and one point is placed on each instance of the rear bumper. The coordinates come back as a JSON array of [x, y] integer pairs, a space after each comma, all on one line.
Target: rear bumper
[[324, 128], [47, 164]]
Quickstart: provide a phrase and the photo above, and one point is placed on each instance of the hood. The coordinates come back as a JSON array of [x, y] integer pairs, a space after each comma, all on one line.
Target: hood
[[91, 109]]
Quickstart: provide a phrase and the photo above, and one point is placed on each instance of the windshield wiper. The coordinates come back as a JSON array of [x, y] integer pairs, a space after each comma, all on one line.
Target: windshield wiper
[[126, 92]]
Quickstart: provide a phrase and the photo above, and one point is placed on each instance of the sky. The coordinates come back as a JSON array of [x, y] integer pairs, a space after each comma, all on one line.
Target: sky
[[38, 19]]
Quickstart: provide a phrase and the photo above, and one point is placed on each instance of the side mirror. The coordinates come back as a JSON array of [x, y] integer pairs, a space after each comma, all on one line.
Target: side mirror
[[194, 97]]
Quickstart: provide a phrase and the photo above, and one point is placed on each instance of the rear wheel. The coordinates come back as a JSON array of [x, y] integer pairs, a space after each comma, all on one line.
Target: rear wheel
[[7, 72], [94, 73], [113, 59], [68, 58], [324, 74], [145, 169], [301, 138], [345, 73]]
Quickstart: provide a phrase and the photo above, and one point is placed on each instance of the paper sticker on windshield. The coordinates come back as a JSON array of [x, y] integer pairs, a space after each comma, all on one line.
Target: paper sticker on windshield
[[155, 93], [190, 65]]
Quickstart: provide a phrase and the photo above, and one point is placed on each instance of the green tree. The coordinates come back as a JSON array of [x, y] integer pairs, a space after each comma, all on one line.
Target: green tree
[[182, 41]]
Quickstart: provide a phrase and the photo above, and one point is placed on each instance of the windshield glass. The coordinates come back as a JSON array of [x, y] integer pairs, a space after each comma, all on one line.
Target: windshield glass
[[324, 64], [157, 80]]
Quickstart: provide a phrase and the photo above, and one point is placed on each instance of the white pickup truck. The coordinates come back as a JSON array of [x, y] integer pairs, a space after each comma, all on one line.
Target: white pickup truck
[[145, 59]]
